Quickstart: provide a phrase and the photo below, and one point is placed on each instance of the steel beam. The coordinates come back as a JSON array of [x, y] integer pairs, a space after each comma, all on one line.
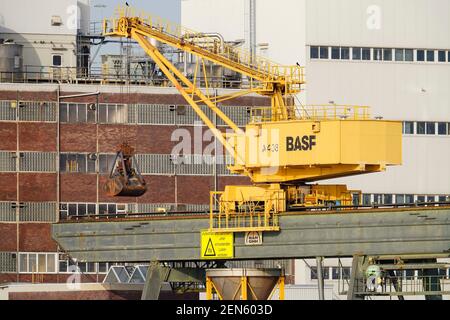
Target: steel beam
[[342, 234]]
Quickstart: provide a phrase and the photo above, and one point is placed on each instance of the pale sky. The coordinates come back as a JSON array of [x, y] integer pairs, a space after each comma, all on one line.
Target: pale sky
[[169, 9]]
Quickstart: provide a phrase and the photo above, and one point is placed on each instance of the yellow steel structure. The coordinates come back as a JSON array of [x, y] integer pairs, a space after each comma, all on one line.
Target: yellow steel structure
[[284, 146]]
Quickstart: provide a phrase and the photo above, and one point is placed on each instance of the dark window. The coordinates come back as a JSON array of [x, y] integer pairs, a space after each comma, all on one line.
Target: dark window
[[72, 209], [102, 117], [378, 54], [420, 127], [409, 55], [442, 199], [367, 199], [448, 56], [400, 199], [62, 162], [63, 112], [421, 199], [91, 209], [399, 55], [112, 116], [431, 128], [73, 113], [420, 55], [387, 199], [442, 128], [409, 274], [356, 53], [366, 53], [57, 60], [81, 112], [430, 55], [387, 54], [345, 53], [102, 209], [314, 52], [346, 272], [91, 114], [112, 208], [431, 199], [377, 198], [91, 165], [63, 264], [335, 273], [324, 53], [408, 127], [441, 56], [409, 198], [102, 267], [82, 266], [335, 53], [106, 161], [82, 209], [313, 273]]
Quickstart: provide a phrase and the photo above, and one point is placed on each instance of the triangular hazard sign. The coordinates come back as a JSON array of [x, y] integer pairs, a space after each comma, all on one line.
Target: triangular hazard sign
[[209, 251]]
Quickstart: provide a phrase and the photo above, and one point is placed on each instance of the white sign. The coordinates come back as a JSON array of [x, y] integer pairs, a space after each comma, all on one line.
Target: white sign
[[253, 238]]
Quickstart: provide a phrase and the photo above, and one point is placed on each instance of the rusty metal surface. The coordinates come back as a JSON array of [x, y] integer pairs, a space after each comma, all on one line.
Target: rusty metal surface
[[390, 232]]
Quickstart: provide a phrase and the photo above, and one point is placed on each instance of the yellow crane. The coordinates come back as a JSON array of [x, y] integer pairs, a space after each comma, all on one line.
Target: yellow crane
[[283, 147]]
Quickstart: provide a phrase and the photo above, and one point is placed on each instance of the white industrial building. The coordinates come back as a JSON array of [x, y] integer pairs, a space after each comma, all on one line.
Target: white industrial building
[[393, 56], [55, 36]]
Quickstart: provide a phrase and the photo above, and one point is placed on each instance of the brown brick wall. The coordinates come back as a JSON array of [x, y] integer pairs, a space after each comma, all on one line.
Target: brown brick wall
[[77, 187], [49, 278], [36, 237], [8, 237], [194, 189], [37, 136], [110, 136], [37, 186], [78, 137], [8, 135], [8, 183]]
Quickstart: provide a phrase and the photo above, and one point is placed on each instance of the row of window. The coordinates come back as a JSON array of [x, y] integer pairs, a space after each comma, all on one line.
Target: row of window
[[426, 128], [389, 199], [70, 210], [379, 54], [332, 273], [112, 113], [42, 263], [337, 273]]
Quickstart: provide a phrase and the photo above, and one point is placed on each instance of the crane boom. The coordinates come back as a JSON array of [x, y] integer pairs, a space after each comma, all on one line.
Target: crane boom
[[282, 147]]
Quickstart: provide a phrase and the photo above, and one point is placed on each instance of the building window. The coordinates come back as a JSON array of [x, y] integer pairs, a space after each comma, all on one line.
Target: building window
[[409, 55], [420, 55], [356, 53], [431, 128], [430, 55], [57, 60], [399, 55], [409, 198], [387, 199], [420, 127], [112, 208], [106, 162], [367, 201], [77, 112], [448, 56], [335, 53], [400, 199], [324, 53], [112, 113], [408, 127], [67, 210], [314, 52], [441, 56], [377, 198], [387, 54], [76, 163], [378, 54], [421, 199], [442, 128], [345, 53], [37, 262], [366, 54]]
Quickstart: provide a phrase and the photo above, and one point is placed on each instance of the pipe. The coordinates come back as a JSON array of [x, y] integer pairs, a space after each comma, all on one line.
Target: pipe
[[320, 277]]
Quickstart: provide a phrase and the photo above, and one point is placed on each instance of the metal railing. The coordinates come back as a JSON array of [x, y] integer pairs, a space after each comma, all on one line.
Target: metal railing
[[262, 66], [313, 112]]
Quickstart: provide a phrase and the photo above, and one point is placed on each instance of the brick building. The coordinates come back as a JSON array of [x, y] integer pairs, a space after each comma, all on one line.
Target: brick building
[[54, 159]]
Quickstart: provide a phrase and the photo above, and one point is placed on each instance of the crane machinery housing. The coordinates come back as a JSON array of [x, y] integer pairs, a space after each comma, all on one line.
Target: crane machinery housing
[[284, 148]]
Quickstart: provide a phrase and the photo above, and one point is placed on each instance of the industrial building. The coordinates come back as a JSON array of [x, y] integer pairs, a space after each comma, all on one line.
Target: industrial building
[[61, 122]]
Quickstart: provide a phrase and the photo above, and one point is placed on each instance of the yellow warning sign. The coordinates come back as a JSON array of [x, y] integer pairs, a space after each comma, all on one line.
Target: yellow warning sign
[[217, 245]]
